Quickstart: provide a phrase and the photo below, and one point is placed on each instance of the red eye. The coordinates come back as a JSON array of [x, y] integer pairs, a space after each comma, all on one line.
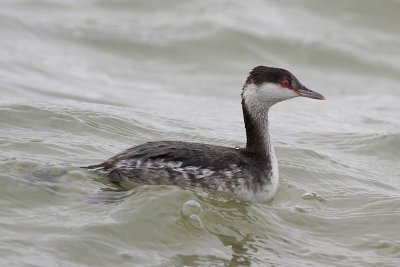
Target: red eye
[[286, 83]]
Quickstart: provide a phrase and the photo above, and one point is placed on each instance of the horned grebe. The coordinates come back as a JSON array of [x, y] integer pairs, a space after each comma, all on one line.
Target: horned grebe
[[250, 172]]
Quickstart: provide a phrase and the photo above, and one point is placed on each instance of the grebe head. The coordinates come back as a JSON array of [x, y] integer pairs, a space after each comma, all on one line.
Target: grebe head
[[266, 86]]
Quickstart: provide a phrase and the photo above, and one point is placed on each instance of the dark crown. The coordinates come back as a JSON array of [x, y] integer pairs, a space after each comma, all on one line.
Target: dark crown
[[264, 74]]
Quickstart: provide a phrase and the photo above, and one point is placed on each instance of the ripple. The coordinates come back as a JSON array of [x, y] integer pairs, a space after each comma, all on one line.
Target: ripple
[[191, 207], [313, 195]]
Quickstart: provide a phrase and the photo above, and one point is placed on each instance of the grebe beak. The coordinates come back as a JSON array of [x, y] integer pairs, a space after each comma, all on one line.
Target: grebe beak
[[304, 91]]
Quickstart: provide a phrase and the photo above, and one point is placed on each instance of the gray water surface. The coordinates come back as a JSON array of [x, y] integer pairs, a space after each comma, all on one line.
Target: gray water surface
[[83, 80]]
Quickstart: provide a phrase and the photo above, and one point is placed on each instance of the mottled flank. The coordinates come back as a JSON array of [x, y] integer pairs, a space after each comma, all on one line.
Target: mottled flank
[[191, 164]]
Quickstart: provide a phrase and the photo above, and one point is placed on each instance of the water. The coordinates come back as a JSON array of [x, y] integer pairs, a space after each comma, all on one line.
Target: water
[[83, 80]]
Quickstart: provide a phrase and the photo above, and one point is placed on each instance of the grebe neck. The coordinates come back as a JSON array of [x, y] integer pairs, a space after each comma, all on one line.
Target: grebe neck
[[257, 130]]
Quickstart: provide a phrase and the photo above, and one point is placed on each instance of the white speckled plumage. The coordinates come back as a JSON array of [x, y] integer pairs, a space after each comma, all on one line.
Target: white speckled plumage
[[251, 172]]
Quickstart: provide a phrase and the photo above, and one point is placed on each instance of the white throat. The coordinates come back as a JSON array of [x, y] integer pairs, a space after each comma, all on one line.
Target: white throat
[[257, 100], [266, 94]]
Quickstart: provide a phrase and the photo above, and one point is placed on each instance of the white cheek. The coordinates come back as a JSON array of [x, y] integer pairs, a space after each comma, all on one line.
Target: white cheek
[[267, 93]]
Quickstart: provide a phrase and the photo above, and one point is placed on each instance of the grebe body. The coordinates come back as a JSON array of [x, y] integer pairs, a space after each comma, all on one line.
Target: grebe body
[[251, 172]]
